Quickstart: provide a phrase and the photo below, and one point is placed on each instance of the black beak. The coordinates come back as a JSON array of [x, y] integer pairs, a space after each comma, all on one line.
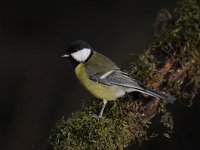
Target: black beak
[[66, 55]]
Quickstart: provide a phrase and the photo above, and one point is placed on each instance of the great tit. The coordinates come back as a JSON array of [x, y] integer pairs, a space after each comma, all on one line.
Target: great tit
[[102, 77]]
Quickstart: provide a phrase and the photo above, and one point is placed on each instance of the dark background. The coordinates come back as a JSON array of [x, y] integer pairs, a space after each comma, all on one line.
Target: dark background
[[37, 86]]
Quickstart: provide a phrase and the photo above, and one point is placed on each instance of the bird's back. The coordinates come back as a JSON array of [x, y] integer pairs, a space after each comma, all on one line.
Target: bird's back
[[99, 63]]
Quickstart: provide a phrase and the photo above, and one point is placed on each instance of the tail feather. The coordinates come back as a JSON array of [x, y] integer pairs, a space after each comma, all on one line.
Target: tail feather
[[151, 92]]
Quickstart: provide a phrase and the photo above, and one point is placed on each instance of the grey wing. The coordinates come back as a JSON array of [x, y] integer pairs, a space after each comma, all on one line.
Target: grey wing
[[119, 78], [116, 77]]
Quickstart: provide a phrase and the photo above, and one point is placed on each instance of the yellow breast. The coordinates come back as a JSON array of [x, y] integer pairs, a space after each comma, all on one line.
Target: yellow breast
[[99, 90]]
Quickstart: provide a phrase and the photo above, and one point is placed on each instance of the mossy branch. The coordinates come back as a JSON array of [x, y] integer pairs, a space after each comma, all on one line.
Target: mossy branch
[[170, 64]]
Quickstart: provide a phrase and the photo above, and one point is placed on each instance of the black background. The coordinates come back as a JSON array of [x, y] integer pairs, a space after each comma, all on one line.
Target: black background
[[37, 86]]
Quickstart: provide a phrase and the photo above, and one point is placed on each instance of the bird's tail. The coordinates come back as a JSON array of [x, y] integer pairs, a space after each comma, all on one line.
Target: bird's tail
[[151, 92]]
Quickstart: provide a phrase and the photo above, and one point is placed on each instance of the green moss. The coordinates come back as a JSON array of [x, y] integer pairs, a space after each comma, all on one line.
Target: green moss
[[166, 117], [186, 36], [113, 131], [181, 43], [123, 121], [167, 120], [145, 68]]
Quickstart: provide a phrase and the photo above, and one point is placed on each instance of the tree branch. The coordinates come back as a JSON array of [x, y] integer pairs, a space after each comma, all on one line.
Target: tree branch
[[170, 64]]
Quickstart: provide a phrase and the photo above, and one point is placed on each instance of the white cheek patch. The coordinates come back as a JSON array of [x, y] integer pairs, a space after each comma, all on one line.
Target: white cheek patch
[[82, 54]]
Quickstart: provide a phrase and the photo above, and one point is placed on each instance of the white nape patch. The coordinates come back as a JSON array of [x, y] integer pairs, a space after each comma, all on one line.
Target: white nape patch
[[82, 54], [106, 74]]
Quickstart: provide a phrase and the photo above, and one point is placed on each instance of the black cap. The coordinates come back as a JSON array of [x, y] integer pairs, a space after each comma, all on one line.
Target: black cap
[[77, 45]]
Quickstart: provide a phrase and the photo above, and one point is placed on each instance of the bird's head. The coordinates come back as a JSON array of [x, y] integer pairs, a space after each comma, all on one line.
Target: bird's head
[[78, 52]]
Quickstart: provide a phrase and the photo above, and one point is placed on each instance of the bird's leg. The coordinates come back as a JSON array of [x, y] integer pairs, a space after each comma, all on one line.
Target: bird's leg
[[101, 112]]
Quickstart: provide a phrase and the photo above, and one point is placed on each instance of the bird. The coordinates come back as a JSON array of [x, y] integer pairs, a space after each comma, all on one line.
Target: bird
[[102, 77]]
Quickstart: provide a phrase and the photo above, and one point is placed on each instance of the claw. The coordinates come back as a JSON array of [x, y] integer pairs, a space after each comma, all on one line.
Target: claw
[[96, 116], [101, 113]]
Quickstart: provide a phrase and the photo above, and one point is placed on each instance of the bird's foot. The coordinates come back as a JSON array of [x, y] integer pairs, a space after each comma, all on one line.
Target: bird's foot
[[96, 116]]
